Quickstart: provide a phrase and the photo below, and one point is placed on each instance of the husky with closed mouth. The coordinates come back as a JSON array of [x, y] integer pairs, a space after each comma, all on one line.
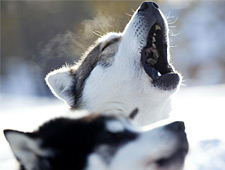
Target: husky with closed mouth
[[98, 142], [123, 71]]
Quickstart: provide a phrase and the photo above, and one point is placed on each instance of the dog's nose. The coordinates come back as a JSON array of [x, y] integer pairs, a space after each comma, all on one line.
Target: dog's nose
[[148, 6], [177, 126]]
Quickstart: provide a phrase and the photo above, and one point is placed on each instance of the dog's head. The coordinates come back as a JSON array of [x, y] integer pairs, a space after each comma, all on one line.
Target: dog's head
[[99, 142], [123, 70]]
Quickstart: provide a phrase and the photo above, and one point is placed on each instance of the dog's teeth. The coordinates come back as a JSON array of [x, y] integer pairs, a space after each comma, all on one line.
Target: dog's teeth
[[153, 39], [148, 51], [159, 74], [156, 55], [157, 27], [153, 45], [151, 61]]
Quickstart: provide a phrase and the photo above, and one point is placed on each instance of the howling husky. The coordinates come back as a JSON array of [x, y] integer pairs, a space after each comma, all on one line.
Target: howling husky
[[123, 71], [99, 142]]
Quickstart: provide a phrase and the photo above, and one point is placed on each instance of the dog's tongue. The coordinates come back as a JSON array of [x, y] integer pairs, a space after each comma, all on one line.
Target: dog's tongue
[[149, 50], [152, 56], [148, 69]]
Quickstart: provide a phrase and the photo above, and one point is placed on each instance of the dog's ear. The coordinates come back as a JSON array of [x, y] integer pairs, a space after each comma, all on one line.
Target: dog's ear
[[61, 82], [25, 148]]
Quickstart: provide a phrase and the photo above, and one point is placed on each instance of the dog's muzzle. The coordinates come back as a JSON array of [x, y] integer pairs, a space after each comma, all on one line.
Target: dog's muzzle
[[154, 57], [182, 147]]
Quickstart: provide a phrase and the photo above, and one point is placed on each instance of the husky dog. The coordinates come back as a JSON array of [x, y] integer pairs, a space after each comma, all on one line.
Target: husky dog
[[99, 142], [123, 71]]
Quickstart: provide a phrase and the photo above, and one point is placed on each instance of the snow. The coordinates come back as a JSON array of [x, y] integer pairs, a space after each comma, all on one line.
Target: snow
[[202, 108]]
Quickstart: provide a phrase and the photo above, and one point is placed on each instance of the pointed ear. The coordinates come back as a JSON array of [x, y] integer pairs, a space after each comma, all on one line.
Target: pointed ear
[[25, 148], [61, 82]]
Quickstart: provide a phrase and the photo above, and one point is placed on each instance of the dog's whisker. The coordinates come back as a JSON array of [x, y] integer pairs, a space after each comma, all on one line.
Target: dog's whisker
[[96, 34], [128, 14], [102, 28], [174, 34], [170, 23], [173, 46], [169, 17]]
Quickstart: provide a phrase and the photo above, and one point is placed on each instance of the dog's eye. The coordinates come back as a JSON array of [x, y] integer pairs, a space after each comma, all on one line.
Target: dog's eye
[[107, 44], [112, 41]]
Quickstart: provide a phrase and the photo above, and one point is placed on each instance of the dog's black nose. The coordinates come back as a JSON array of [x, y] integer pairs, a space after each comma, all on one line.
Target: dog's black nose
[[155, 5], [148, 6], [176, 126]]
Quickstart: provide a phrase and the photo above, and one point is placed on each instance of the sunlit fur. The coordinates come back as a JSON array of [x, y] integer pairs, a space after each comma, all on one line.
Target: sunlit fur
[[111, 79]]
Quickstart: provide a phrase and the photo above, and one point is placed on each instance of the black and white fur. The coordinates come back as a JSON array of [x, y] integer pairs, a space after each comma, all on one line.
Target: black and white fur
[[98, 142], [123, 71]]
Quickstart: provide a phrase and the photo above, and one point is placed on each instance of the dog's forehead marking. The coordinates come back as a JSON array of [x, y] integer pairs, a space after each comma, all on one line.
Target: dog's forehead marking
[[115, 126]]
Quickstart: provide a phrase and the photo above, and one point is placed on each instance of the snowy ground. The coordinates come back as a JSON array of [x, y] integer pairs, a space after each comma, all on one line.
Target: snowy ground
[[202, 109]]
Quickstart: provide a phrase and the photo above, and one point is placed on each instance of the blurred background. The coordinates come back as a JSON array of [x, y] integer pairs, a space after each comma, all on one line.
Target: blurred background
[[40, 36]]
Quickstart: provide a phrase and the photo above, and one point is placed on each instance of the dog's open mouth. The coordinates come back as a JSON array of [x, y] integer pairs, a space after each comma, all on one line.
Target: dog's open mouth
[[154, 60]]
